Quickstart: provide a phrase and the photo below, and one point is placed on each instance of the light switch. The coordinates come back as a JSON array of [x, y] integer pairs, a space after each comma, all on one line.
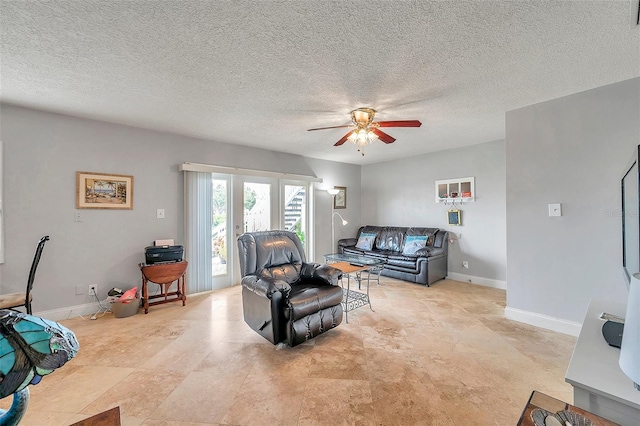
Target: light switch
[[555, 209], [160, 214]]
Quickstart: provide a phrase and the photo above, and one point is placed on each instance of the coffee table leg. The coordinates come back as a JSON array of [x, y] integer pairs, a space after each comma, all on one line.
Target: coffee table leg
[[369, 298], [346, 301]]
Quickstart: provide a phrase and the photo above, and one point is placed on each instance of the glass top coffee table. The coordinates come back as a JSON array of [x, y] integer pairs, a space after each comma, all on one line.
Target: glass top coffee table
[[353, 266]]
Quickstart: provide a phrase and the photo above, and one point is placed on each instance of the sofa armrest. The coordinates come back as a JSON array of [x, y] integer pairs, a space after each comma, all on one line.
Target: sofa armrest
[[347, 242], [266, 286], [323, 272]]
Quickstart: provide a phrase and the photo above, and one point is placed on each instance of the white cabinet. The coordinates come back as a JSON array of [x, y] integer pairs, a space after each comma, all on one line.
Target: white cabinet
[[456, 190], [599, 385]]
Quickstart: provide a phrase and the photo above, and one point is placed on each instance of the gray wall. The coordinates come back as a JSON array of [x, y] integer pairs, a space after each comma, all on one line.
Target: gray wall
[[402, 193], [43, 151], [335, 174], [570, 150]]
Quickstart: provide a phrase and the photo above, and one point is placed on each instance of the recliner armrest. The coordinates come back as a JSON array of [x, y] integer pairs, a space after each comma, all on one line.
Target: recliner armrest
[[266, 286], [322, 272]]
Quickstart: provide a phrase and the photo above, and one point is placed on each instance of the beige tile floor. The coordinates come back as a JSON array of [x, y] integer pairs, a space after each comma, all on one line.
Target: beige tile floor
[[440, 355]]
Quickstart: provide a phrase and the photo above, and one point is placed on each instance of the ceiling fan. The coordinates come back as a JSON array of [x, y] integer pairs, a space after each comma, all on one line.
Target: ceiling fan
[[366, 130]]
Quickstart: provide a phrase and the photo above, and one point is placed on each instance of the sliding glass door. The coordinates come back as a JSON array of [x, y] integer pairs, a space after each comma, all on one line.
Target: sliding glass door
[[220, 207], [219, 226], [294, 210], [256, 206]]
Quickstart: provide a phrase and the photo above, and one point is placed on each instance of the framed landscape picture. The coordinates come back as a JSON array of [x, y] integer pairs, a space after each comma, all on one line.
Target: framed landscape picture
[[340, 199], [104, 191]]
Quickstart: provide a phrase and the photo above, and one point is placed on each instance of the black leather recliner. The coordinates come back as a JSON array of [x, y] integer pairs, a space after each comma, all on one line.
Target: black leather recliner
[[285, 299]]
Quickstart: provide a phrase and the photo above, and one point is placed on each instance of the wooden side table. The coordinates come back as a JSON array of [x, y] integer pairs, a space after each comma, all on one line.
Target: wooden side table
[[541, 405], [106, 418], [163, 274]]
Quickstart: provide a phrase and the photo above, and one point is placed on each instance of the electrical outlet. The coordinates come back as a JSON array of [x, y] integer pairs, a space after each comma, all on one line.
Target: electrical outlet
[[93, 289], [465, 264]]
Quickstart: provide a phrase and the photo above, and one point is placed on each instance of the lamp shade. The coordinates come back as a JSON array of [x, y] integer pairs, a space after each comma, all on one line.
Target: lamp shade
[[30, 348], [333, 191], [630, 348]]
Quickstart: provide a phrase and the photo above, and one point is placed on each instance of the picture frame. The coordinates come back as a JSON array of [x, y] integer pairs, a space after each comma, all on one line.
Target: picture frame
[[340, 199], [454, 217], [104, 191]]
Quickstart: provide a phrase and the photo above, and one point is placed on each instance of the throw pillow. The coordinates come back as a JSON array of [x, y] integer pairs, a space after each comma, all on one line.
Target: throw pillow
[[413, 243], [365, 241]]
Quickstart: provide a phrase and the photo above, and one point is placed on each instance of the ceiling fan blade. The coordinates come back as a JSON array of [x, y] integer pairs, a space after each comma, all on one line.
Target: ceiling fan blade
[[343, 140], [400, 123], [383, 136], [332, 127]]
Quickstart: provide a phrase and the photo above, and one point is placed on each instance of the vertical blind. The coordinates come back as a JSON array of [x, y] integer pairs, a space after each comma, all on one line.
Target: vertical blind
[[198, 193]]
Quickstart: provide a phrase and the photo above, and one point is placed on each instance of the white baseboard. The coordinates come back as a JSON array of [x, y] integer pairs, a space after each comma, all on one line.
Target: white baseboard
[[72, 311], [543, 321], [531, 318], [86, 309], [487, 282]]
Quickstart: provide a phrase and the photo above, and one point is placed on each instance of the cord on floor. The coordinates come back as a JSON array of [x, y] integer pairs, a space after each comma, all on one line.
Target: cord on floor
[[103, 309]]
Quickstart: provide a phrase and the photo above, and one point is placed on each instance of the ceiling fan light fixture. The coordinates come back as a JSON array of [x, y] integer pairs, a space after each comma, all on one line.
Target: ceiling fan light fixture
[[362, 137], [371, 136]]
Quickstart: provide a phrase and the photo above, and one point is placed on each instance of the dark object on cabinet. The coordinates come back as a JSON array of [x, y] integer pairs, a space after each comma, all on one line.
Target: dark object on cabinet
[[284, 298], [612, 333], [159, 254]]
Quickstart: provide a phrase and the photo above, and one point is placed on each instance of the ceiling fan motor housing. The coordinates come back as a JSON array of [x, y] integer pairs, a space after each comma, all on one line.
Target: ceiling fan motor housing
[[362, 117]]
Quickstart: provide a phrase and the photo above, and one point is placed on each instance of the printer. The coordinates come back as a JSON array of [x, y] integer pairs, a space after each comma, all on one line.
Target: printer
[[163, 253]]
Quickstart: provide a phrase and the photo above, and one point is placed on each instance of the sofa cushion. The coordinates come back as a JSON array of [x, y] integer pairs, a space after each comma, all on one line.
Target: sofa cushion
[[378, 254], [429, 232], [404, 257], [425, 251], [413, 243], [391, 238], [408, 268], [382, 254], [365, 241], [404, 263]]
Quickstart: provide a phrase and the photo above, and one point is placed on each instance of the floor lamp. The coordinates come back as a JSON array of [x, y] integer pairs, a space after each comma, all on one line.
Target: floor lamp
[[333, 192]]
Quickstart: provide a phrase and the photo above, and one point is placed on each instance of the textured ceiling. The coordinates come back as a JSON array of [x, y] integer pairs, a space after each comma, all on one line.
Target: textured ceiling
[[259, 73]]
